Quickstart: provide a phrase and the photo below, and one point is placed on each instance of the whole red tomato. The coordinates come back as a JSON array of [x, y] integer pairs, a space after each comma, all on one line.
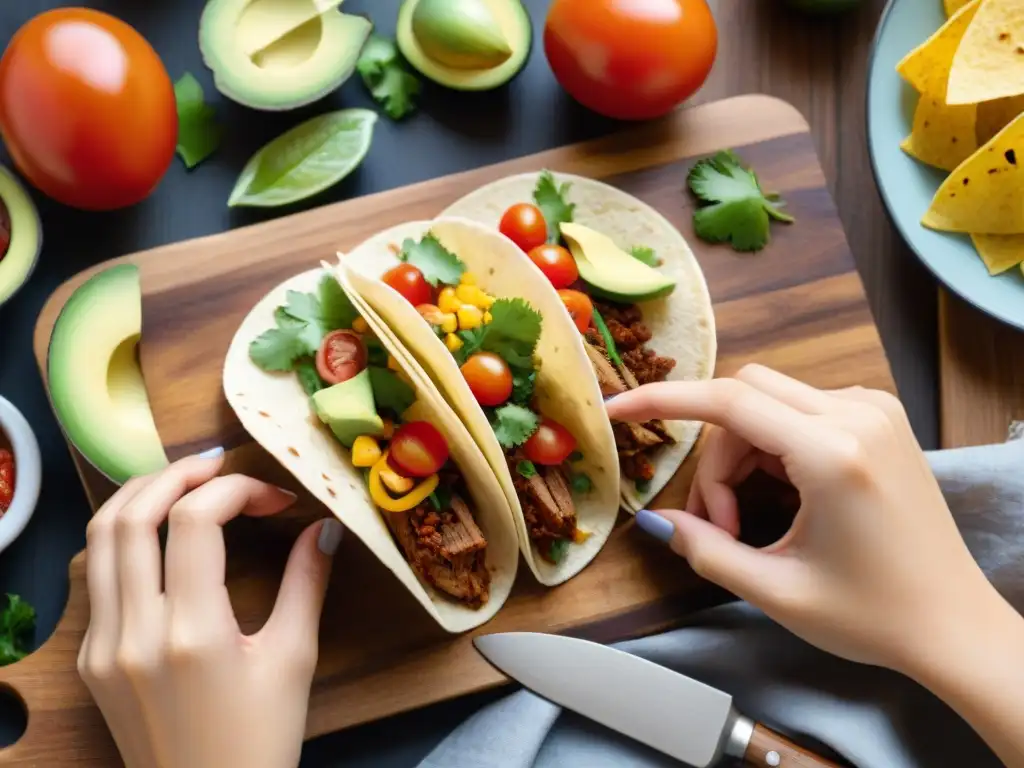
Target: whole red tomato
[[86, 109], [630, 60]]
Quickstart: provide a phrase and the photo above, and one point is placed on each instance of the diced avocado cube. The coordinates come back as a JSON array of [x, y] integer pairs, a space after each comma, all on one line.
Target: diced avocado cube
[[348, 409]]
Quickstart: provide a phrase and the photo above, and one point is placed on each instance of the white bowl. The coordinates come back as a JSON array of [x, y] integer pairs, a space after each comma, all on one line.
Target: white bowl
[[27, 473]]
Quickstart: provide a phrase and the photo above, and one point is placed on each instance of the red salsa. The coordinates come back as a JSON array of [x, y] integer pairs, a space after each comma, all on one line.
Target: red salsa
[[6, 480]]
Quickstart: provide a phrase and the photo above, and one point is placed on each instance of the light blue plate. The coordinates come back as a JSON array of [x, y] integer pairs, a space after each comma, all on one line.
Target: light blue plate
[[908, 186]]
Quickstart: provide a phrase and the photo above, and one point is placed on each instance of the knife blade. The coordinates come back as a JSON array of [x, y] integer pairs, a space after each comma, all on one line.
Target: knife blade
[[673, 713]]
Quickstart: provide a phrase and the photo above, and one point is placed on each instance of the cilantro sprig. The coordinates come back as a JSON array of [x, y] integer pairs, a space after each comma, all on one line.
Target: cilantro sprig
[[390, 393], [385, 76], [736, 209], [437, 263], [550, 197], [17, 623], [513, 424], [512, 335], [199, 133]]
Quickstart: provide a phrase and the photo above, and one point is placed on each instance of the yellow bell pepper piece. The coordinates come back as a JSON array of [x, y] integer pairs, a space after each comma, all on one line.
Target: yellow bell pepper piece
[[453, 342], [384, 500], [469, 317], [468, 278], [365, 451], [447, 301], [395, 482], [450, 323], [470, 294], [359, 325], [487, 318], [579, 536]]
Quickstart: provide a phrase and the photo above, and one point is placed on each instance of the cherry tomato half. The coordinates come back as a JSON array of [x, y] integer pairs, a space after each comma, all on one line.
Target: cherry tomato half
[[650, 55], [341, 356], [417, 449], [87, 109], [581, 308], [557, 264], [489, 378], [410, 282], [550, 445], [524, 225]]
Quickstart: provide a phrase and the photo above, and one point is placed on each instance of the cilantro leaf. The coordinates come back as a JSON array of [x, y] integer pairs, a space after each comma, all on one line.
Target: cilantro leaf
[[308, 376], [559, 549], [513, 425], [580, 483], [642, 486], [390, 392], [609, 342], [436, 262], [526, 469], [646, 255], [441, 498], [199, 134], [375, 352], [336, 311], [513, 332], [736, 210], [278, 348], [550, 198], [17, 622], [389, 82], [522, 387]]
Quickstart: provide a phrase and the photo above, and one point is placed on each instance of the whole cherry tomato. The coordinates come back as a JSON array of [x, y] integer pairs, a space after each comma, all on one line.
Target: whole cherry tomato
[[581, 308], [557, 264], [418, 449], [87, 110], [630, 61], [342, 355], [524, 225], [410, 282], [550, 445], [489, 378]]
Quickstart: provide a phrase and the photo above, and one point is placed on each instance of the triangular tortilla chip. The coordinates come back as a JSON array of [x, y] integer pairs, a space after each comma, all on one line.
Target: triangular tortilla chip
[[995, 115], [942, 136], [927, 66], [989, 63], [999, 252], [952, 6], [985, 193]]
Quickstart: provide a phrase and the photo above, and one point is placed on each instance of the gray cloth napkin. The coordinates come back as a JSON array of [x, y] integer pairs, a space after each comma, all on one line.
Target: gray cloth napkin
[[873, 717]]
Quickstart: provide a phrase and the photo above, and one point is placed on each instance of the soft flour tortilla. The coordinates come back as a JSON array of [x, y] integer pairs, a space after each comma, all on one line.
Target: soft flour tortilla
[[564, 386], [683, 322], [324, 466]]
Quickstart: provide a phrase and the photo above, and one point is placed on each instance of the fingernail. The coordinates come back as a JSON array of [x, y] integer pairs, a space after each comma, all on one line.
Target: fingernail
[[609, 398], [287, 493], [659, 527], [331, 532], [212, 453]]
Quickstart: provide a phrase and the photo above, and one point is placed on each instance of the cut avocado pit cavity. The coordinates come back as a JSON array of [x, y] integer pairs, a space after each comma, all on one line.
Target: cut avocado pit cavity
[[280, 54], [471, 45], [20, 235]]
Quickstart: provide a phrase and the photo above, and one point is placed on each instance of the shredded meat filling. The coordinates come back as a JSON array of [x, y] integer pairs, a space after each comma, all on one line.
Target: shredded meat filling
[[547, 505], [446, 548]]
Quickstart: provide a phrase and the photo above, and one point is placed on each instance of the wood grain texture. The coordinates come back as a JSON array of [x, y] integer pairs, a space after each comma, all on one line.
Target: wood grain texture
[[799, 306], [768, 749]]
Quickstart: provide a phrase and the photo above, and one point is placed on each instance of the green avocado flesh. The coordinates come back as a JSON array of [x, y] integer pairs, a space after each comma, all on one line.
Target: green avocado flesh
[[20, 222], [96, 384], [468, 45], [280, 54], [348, 409], [611, 272]]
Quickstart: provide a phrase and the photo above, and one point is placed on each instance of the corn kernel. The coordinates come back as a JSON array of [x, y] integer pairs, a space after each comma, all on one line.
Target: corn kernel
[[447, 301], [469, 317], [365, 451], [453, 342], [468, 278], [470, 294], [450, 323], [388, 430], [395, 482], [393, 364], [487, 318], [359, 325]]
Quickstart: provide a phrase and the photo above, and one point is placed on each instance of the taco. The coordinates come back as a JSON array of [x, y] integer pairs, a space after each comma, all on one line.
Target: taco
[[461, 300], [336, 405], [636, 292]]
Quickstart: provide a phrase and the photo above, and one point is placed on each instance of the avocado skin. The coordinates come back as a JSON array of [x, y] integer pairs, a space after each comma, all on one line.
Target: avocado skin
[[26, 236], [621, 298]]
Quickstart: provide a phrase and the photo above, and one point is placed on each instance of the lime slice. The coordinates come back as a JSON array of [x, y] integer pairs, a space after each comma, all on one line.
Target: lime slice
[[307, 159]]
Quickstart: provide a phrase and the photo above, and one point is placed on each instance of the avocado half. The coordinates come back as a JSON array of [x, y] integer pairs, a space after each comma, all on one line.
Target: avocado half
[[21, 235], [96, 384], [280, 54], [467, 45]]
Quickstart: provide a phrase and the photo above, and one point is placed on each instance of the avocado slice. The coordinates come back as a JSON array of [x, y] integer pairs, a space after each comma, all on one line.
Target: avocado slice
[[96, 385], [348, 409], [611, 272], [21, 235], [467, 45], [280, 54]]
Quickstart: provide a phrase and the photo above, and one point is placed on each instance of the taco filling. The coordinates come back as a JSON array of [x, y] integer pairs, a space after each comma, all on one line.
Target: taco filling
[[493, 341], [597, 282], [358, 391]]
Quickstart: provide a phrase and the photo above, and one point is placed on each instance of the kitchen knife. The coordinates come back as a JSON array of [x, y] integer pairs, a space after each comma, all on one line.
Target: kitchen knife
[[672, 713]]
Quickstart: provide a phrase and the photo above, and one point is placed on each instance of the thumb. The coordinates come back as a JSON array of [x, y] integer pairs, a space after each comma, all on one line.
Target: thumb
[[295, 622]]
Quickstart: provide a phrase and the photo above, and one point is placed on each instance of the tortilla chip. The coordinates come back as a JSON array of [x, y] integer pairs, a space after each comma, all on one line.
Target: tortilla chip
[[927, 67], [999, 252], [985, 193], [995, 115], [989, 63], [942, 136], [952, 6]]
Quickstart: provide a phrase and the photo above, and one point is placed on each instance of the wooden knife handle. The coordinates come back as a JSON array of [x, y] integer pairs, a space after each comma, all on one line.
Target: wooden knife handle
[[768, 749]]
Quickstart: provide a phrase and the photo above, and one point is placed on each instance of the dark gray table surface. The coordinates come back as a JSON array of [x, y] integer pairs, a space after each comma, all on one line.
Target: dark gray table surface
[[817, 64]]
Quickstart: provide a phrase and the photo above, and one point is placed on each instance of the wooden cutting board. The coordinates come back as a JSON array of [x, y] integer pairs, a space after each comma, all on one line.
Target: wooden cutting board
[[798, 306]]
